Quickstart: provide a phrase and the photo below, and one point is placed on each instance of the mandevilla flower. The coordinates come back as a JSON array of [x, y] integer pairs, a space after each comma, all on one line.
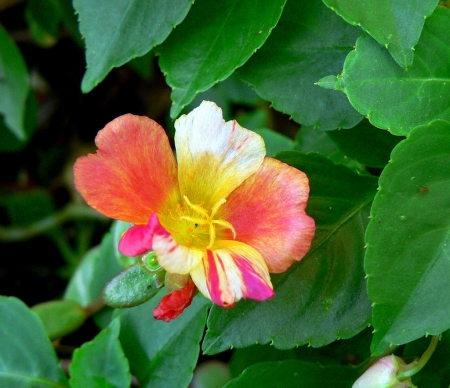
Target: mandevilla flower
[[225, 216]]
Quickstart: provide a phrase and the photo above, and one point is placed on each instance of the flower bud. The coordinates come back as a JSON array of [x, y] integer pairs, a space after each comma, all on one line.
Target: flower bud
[[383, 374]]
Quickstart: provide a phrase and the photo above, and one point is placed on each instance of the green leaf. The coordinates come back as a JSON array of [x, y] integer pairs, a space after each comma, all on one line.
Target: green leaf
[[275, 142], [162, 354], [370, 146], [295, 374], [323, 297], [212, 42], [308, 43], [117, 229], [396, 99], [133, 286], [396, 25], [97, 268], [117, 31], [27, 358], [13, 85], [60, 317], [407, 259], [8, 141], [43, 17], [88, 370]]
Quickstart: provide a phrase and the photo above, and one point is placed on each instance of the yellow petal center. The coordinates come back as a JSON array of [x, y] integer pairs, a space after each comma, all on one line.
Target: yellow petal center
[[193, 225]]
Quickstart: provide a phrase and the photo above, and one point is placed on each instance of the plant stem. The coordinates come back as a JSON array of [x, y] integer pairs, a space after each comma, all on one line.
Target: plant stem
[[416, 367]]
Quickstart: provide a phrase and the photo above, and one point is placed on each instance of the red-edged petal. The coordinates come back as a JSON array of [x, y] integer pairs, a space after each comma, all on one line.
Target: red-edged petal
[[268, 213], [173, 304], [139, 238], [133, 174], [233, 271]]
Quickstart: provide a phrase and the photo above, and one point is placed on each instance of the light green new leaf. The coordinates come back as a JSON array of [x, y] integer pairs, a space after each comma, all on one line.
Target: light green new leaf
[[323, 297], [309, 42], [396, 99], [27, 358], [101, 362], [162, 354], [295, 374], [13, 85], [215, 39], [408, 251], [394, 24], [119, 30]]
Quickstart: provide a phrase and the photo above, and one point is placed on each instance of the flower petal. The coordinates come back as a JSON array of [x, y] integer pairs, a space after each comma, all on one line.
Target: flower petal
[[231, 272], [133, 174], [268, 213], [139, 238], [214, 156], [173, 304], [173, 257]]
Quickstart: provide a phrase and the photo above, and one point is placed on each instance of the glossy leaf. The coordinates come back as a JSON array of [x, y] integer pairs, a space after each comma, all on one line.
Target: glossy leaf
[[117, 31], [370, 146], [295, 374], [323, 297], [27, 358], [396, 99], [133, 286], [88, 370], [308, 43], [162, 354], [60, 317], [212, 42], [394, 24], [407, 259], [13, 85], [97, 268]]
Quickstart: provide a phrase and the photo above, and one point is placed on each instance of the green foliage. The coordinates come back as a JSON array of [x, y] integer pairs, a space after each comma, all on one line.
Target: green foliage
[[407, 240], [101, 362], [27, 358]]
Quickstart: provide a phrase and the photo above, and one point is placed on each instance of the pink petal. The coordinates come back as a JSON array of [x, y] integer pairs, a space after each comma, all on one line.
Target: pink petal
[[133, 174], [139, 238], [268, 213], [231, 272]]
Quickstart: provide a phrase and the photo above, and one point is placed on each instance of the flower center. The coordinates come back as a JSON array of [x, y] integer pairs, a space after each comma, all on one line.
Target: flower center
[[193, 225]]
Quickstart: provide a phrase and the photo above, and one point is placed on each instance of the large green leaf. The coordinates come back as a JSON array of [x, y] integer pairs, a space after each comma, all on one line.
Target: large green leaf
[[394, 24], [367, 144], [212, 42], [13, 85], [116, 31], [88, 370], [308, 43], [162, 354], [407, 259], [295, 374], [27, 358], [323, 297], [396, 99]]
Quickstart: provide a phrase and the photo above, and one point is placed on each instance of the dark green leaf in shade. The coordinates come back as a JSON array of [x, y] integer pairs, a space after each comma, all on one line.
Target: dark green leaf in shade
[[13, 85], [162, 354], [27, 358], [295, 374], [436, 373], [212, 42], [101, 362], [133, 286], [97, 268], [309, 42], [394, 24], [117, 31], [60, 317], [393, 98], [323, 297], [407, 259], [8, 141], [275, 142], [43, 18], [367, 144]]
